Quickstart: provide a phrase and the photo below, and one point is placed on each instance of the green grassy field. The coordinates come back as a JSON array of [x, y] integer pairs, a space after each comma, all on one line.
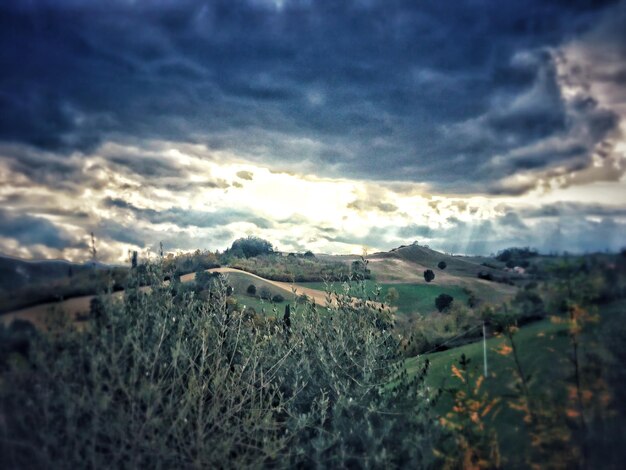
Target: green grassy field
[[544, 350], [241, 281], [259, 305], [412, 297]]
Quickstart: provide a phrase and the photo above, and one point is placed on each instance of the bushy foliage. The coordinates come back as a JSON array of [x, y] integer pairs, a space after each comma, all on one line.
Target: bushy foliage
[[529, 306], [443, 301], [510, 254], [265, 293], [429, 275], [473, 442], [293, 268], [184, 263], [440, 331], [442, 265], [162, 379], [202, 279], [360, 270], [251, 290], [249, 247], [14, 340], [392, 296]]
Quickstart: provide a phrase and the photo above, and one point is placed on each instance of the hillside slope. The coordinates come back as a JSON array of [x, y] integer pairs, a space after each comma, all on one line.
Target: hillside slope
[[16, 273], [427, 258], [24, 283], [408, 263], [73, 308]]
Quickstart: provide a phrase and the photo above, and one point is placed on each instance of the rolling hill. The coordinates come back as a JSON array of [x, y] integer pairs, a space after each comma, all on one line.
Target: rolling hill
[[406, 265], [402, 267]]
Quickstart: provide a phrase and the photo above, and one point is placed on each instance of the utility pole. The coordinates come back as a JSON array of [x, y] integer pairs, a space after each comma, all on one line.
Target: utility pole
[[485, 348]]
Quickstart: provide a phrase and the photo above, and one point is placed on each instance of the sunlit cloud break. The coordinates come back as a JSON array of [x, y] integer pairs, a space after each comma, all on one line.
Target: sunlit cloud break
[[316, 125]]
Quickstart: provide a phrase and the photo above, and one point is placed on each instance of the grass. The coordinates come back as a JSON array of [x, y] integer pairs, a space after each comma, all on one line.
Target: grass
[[241, 281], [456, 266], [543, 349], [258, 304], [412, 297]]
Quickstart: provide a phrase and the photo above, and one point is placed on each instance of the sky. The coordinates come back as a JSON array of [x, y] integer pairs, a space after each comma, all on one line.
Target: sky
[[335, 126]]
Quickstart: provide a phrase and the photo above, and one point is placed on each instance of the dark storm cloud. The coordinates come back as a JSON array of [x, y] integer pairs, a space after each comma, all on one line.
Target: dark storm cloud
[[574, 209], [421, 91], [45, 168], [190, 218], [29, 230], [146, 237], [413, 231], [149, 167]]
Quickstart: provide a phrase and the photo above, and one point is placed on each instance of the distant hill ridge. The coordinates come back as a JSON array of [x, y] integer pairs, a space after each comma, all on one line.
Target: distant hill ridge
[[429, 258], [17, 272]]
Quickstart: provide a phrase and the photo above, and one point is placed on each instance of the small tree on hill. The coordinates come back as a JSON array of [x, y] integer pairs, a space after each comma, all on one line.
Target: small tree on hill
[[250, 247], [442, 265], [251, 290], [265, 293], [429, 275], [443, 301]]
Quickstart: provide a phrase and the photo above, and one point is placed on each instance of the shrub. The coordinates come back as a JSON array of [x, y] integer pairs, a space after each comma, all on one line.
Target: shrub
[[529, 305], [265, 293], [429, 275], [360, 270], [516, 253], [472, 300], [278, 299], [294, 269], [443, 301], [442, 265], [202, 279], [303, 300], [250, 247], [96, 308], [15, 339], [164, 380], [392, 295], [251, 290]]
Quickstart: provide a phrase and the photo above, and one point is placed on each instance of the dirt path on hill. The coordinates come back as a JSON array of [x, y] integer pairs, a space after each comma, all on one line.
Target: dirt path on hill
[[318, 296], [39, 315]]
